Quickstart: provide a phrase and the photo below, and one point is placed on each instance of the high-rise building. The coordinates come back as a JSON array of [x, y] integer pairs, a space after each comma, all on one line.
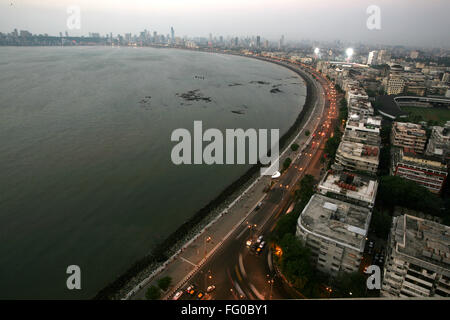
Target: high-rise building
[[172, 34], [446, 77], [439, 142], [428, 171], [383, 57], [373, 57], [349, 187], [418, 259], [335, 231], [363, 130], [414, 54], [258, 41], [281, 43], [408, 135], [360, 157]]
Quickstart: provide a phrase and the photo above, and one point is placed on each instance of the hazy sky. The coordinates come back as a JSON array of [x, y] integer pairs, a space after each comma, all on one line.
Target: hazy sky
[[405, 22]]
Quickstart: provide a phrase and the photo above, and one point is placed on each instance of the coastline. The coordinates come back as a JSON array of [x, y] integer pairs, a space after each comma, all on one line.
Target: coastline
[[149, 264]]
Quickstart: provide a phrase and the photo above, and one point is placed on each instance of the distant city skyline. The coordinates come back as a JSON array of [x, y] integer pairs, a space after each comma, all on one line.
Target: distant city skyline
[[403, 22]]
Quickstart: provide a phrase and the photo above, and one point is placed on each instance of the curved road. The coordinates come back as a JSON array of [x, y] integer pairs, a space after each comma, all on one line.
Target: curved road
[[219, 255], [237, 271]]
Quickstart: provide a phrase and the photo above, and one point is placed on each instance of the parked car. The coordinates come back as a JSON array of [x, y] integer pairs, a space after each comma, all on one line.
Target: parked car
[[177, 295], [249, 243]]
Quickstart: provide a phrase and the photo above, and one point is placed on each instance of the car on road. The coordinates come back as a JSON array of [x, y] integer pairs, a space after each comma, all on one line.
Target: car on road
[[260, 238], [177, 295], [200, 295], [249, 243], [262, 244], [258, 206], [191, 289], [210, 288]]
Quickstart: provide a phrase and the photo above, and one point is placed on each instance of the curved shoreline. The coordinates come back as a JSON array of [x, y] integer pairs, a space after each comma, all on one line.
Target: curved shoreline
[[165, 250]]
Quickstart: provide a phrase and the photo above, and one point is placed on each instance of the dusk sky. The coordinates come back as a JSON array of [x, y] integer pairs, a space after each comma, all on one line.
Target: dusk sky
[[403, 22]]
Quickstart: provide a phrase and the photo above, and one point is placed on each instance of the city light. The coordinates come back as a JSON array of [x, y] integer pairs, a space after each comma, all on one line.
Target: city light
[[349, 52], [317, 51]]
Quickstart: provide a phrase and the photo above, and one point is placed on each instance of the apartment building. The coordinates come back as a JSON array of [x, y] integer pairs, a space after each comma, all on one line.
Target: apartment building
[[409, 135], [363, 129], [428, 171], [358, 157], [395, 85], [439, 142], [355, 92], [335, 231], [418, 259], [350, 187], [360, 106]]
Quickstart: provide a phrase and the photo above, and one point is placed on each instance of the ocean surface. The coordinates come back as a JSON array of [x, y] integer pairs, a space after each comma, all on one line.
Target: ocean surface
[[86, 176]]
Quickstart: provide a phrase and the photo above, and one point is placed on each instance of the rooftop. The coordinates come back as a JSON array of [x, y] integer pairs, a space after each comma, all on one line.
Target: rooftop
[[359, 150], [369, 124], [409, 128], [336, 220], [350, 185], [423, 239]]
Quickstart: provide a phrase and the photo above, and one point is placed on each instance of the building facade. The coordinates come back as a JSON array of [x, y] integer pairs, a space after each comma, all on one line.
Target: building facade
[[408, 135], [428, 171], [358, 157], [418, 259], [335, 231], [439, 142]]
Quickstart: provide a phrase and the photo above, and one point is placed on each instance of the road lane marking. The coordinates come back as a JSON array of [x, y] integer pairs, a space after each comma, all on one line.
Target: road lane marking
[[237, 273], [256, 292], [269, 260], [241, 266], [242, 232]]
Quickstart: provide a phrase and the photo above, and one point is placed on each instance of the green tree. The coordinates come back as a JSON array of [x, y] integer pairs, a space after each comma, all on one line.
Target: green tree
[[295, 261], [306, 190], [164, 283], [396, 191], [288, 222], [287, 162], [294, 147], [332, 145], [153, 293], [307, 133], [349, 285]]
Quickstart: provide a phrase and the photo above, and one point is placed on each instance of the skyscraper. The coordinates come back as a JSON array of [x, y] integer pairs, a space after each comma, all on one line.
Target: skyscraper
[[172, 33], [281, 43], [373, 57], [258, 41]]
